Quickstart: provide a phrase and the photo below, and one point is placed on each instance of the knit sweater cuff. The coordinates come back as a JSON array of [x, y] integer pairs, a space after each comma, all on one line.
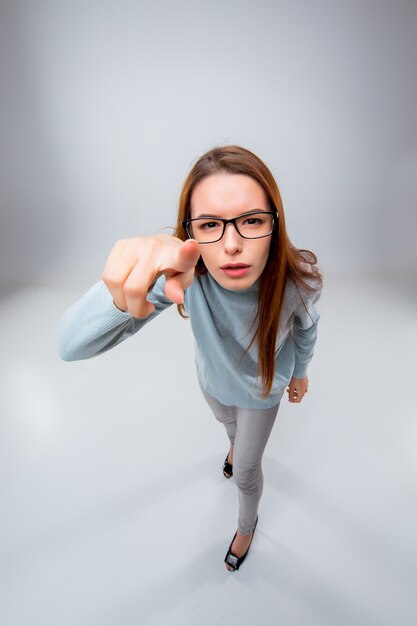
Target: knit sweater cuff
[[300, 371]]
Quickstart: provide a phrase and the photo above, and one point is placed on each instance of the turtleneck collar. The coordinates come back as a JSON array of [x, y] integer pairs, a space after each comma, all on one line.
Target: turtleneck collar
[[237, 292]]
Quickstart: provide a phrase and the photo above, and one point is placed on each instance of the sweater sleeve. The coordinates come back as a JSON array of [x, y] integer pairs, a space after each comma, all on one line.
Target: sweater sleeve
[[304, 332], [93, 324]]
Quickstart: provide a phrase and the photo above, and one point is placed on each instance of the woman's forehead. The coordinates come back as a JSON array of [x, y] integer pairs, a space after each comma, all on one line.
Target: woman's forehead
[[227, 195]]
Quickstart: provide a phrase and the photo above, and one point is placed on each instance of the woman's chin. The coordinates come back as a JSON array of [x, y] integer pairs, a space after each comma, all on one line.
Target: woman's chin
[[234, 284]]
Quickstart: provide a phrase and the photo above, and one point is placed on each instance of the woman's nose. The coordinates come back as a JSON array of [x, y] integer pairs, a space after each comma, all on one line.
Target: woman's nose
[[232, 241]]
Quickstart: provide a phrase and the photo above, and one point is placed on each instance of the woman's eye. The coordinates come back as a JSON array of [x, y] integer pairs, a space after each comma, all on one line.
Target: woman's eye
[[208, 225], [253, 221]]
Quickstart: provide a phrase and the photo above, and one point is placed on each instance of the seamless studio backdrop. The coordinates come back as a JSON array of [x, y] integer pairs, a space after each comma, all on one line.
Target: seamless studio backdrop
[[114, 510]]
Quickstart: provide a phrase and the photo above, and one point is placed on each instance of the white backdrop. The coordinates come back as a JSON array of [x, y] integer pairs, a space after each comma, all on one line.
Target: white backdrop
[[106, 105], [113, 508]]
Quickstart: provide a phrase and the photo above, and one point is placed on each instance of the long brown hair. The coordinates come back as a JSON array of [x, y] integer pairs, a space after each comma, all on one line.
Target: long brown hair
[[284, 260]]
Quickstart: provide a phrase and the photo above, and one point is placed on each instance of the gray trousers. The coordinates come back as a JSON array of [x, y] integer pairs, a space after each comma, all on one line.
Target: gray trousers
[[248, 431]]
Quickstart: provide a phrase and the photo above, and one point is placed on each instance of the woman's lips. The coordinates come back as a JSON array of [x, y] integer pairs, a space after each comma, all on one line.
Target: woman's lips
[[235, 270]]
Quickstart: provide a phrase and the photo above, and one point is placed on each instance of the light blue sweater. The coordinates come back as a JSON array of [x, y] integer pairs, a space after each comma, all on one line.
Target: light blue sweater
[[221, 322]]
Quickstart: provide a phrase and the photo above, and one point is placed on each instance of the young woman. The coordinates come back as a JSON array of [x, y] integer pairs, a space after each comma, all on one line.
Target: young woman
[[250, 296]]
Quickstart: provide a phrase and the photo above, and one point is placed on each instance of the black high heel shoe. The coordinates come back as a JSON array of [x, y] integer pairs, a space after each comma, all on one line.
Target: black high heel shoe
[[227, 468], [236, 561]]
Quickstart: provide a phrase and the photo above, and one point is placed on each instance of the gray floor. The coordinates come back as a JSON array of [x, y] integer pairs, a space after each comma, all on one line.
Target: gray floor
[[114, 511]]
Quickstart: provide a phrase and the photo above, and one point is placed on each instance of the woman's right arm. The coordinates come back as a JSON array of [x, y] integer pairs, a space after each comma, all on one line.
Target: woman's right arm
[[142, 277]]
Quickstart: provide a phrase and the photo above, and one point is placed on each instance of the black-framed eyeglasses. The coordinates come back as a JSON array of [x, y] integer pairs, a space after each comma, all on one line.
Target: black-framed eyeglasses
[[252, 225]]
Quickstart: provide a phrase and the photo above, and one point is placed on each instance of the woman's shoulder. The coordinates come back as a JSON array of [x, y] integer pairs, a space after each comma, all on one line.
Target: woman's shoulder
[[308, 279], [302, 293], [303, 289]]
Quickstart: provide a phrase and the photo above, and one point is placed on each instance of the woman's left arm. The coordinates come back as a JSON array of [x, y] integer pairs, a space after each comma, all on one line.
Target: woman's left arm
[[304, 333]]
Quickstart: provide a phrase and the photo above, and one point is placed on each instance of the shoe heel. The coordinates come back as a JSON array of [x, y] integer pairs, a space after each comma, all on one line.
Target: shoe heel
[[227, 468], [232, 559]]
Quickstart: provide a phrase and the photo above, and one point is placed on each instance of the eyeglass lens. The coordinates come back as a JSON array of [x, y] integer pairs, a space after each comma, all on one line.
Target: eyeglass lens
[[208, 230]]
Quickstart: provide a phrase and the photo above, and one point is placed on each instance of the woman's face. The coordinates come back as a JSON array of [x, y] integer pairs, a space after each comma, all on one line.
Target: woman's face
[[234, 262]]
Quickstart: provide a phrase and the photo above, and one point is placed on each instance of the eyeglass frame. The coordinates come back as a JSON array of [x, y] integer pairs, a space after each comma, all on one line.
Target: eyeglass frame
[[274, 214]]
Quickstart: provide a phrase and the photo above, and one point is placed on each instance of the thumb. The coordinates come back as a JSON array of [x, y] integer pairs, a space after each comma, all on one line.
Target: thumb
[[174, 290]]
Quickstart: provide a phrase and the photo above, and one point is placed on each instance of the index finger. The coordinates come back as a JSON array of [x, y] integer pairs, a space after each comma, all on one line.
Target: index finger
[[186, 258]]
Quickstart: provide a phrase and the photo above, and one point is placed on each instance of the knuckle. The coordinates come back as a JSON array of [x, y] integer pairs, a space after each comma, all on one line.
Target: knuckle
[[119, 246], [110, 279], [134, 292]]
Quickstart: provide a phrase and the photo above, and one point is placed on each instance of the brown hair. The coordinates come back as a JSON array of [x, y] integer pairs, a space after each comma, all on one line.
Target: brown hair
[[284, 260]]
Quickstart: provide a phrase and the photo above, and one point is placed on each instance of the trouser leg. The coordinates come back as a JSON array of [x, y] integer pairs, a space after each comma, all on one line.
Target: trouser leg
[[248, 431], [226, 415], [254, 427]]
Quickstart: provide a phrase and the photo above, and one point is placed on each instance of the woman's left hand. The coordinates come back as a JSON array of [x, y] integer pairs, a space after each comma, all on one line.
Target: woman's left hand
[[297, 389]]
